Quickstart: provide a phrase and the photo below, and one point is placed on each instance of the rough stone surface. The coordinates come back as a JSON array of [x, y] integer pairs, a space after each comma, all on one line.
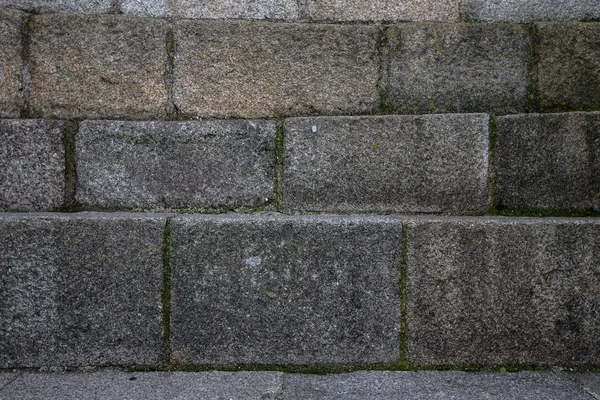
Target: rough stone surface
[[383, 10], [549, 161], [32, 165], [145, 386], [503, 291], [162, 165], [80, 289], [569, 66], [98, 66], [430, 385], [432, 163], [11, 63], [530, 10], [590, 382], [60, 6], [285, 290], [458, 68], [258, 70]]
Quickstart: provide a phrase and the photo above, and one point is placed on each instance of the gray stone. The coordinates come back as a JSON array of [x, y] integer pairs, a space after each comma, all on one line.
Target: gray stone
[[98, 66], [569, 66], [431, 163], [503, 291], [590, 382], [80, 289], [267, 289], [458, 68], [530, 10], [147, 8], [549, 161], [259, 70], [169, 165], [32, 165], [60, 6], [384, 385], [145, 386], [383, 10], [11, 63]]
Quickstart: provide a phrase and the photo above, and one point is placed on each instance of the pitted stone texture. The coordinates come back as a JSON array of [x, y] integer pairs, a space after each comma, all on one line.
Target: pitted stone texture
[[530, 10], [32, 165], [145, 386], [285, 290], [383, 10], [11, 63], [432, 163], [170, 165], [60, 6], [80, 289], [569, 66], [549, 161], [503, 291], [458, 68], [260, 70], [98, 66]]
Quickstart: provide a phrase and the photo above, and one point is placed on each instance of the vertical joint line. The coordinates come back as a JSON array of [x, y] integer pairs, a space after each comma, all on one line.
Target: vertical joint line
[[170, 46], [492, 174], [404, 298], [69, 132], [115, 7], [279, 166], [166, 292], [27, 28]]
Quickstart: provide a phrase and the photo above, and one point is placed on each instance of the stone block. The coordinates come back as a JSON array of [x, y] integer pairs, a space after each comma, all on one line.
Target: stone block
[[503, 291], [60, 6], [266, 289], [262, 70], [170, 165], [529, 10], [569, 66], [549, 161], [11, 63], [431, 163], [32, 165], [98, 66], [80, 289], [435, 68]]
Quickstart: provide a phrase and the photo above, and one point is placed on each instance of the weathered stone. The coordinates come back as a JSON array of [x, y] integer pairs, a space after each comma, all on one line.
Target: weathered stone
[[384, 385], [431, 163], [382, 10], [162, 165], [32, 165], [458, 68], [258, 70], [569, 66], [503, 291], [285, 290], [147, 8], [80, 289], [590, 382], [60, 6], [11, 63], [530, 10], [549, 161], [98, 66], [145, 386]]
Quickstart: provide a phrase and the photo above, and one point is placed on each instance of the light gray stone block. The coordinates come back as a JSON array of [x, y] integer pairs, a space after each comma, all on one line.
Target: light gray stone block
[[503, 291], [569, 66], [549, 161], [266, 289], [98, 66], [262, 70], [589, 381], [458, 68], [530, 10], [145, 386], [11, 63], [428, 385], [32, 165], [170, 165], [60, 6], [147, 8], [80, 289], [382, 10], [432, 163]]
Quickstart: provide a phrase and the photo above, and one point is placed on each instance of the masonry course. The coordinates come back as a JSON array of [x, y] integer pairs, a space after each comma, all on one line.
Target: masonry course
[[530, 10], [435, 163], [80, 289], [498, 291], [11, 63], [170, 165], [60, 6]]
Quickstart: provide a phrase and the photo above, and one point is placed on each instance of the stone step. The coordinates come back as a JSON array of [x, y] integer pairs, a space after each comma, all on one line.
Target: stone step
[[375, 385]]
